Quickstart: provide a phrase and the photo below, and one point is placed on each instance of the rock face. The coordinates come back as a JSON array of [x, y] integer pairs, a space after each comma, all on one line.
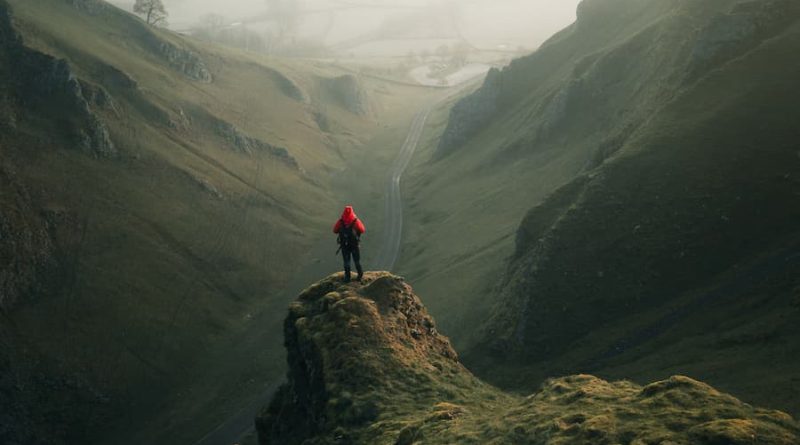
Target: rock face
[[179, 58], [351, 350], [346, 90], [470, 114], [245, 144], [46, 86], [185, 61], [367, 366]]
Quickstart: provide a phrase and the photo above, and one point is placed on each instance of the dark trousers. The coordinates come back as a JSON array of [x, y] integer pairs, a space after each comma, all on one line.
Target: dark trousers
[[355, 253]]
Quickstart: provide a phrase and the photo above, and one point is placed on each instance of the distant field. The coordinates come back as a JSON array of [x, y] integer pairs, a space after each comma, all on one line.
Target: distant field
[[354, 26]]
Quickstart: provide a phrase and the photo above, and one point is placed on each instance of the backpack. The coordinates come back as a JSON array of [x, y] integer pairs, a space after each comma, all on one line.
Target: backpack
[[347, 236]]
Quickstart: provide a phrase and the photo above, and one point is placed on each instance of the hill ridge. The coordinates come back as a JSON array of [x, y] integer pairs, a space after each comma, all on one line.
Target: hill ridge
[[367, 366]]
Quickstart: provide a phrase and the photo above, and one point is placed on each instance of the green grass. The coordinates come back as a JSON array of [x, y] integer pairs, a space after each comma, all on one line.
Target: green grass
[[171, 303], [653, 218], [367, 366]]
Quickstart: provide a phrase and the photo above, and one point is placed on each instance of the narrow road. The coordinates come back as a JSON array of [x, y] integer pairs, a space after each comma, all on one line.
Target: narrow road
[[393, 232]]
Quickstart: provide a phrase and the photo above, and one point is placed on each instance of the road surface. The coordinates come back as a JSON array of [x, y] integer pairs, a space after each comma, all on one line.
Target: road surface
[[393, 232]]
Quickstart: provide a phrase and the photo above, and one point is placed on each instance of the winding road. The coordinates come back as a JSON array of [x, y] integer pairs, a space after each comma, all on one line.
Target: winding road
[[393, 234]]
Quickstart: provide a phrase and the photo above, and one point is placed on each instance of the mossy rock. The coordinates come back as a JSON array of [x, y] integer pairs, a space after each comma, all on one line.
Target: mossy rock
[[367, 366]]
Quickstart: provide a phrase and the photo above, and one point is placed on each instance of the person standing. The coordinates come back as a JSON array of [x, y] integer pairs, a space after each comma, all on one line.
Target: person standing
[[350, 228]]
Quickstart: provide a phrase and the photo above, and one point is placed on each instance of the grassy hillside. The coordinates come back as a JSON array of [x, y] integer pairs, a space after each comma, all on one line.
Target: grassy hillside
[[368, 366], [650, 153], [510, 145], [157, 196]]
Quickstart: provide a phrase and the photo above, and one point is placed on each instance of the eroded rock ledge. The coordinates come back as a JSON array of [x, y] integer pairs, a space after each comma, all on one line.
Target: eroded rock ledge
[[367, 366]]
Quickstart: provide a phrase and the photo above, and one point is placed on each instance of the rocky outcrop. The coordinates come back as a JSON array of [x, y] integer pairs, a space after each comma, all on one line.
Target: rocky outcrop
[[348, 93], [470, 114], [352, 349], [367, 366], [92, 7], [98, 97], [179, 58], [49, 79], [184, 60], [206, 186], [46, 86], [245, 144], [289, 87]]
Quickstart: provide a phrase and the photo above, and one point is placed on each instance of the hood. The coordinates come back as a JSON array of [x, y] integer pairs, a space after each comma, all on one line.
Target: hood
[[348, 215]]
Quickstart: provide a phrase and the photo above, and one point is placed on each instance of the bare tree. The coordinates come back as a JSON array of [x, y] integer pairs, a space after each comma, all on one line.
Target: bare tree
[[153, 11]]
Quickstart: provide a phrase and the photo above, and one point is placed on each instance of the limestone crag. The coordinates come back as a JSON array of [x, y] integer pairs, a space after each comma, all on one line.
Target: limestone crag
[[245, 144], [470, 114], [368, 366], [53, 78], [46, 86], [347, 91], [353, 348], [185, 61]]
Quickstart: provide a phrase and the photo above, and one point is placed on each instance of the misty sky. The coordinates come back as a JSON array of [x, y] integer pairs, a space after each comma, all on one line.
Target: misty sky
[[484, 23]]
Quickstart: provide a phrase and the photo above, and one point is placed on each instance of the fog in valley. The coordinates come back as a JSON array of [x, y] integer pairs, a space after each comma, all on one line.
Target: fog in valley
[[372, 28], [405, 222]]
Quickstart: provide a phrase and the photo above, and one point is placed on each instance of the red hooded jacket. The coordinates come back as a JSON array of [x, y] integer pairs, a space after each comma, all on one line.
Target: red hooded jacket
[[348, 216]]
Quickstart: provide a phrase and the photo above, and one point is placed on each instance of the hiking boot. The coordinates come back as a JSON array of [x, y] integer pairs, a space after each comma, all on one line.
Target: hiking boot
[[347, 275]]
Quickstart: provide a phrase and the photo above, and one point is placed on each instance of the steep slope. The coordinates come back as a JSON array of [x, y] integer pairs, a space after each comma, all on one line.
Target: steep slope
[[530, 129], [367, 366], [650, 151], [155, 197]]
